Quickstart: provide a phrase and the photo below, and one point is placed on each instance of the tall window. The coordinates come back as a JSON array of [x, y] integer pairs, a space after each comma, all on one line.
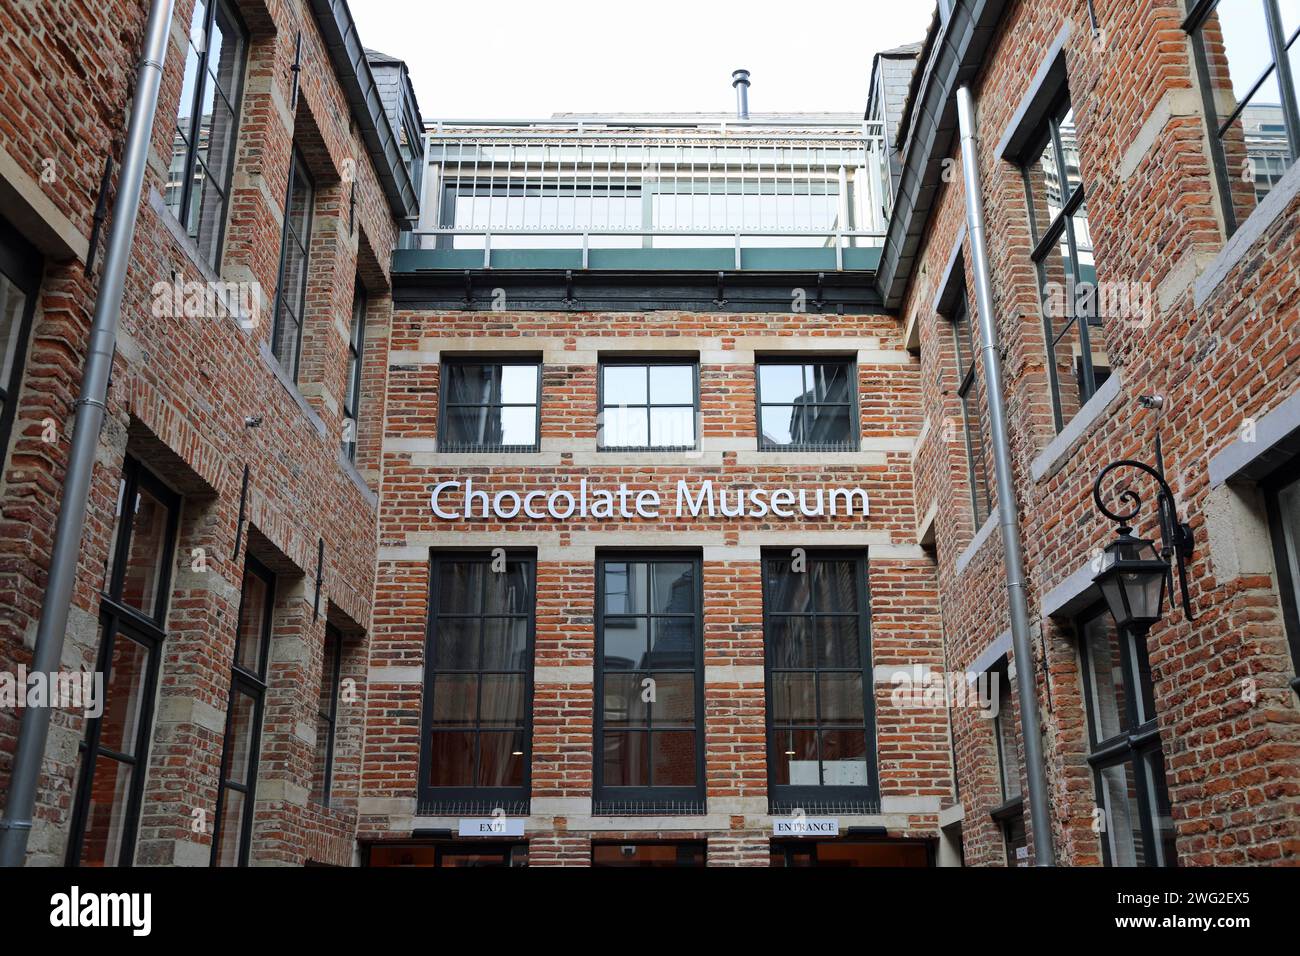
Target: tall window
[[327, 712], [295, 246], [478, 683], [1010, 813], [1127, 763], [203, 148], [968, 390], [234, 823], [808, 405], [648, 405], [490, 406], [820, 722], [1247, 56], [649, 741], [132, 613], [20, 278], [1058, 216], [356, 353], [1283, 496]]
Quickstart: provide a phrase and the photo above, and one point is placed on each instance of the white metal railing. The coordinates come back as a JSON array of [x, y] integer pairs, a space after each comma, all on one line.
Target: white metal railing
[[652, 183], [644, 238]]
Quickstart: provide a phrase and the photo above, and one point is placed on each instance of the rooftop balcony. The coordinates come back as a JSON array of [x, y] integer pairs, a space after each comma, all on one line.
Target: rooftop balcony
[[665, 193]]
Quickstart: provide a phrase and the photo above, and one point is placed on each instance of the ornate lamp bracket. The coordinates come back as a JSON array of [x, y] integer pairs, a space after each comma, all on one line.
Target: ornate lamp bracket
[[1176, 538]]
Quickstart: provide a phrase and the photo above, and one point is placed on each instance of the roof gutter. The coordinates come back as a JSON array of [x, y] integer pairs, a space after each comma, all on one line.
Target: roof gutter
[[953, 55], [349, 57]]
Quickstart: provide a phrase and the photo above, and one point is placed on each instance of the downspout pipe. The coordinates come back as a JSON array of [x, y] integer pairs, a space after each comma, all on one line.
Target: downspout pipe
[[1008, 509], [89, 417]]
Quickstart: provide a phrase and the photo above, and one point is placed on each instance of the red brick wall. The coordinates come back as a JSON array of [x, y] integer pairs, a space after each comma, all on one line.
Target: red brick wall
[[1231, 765], [914, 761], [181, 390]]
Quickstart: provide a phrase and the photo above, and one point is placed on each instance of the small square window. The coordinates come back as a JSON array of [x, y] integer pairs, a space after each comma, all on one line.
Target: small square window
[[648, 406], [490, 406], [807, 406]]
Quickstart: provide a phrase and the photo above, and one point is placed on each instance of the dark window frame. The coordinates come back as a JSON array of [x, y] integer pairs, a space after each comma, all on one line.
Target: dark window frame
[[1130, 746], [356, 359], [333, 638], [647, 364], [1002, 670], [297, 171], [474, 799], [147, 630], [444, 405], [252, 684], [1043, 246], [23, 266], [854, 440], [977, 470], [646, 799], [1198, 13], [1010, 813], [1288, 586], [784, 797], [192, 135]]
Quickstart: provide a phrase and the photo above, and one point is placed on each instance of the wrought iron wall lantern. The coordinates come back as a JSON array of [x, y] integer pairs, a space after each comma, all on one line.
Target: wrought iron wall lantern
[[1134, 578]]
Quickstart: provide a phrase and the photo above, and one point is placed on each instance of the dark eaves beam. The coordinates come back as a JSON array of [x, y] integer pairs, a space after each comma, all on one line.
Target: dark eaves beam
[[956, 57], [350, 63]]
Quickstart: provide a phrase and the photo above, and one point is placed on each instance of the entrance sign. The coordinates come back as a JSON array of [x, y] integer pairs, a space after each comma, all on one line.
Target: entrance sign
[[806, 826], [461, 501], [491, 827]]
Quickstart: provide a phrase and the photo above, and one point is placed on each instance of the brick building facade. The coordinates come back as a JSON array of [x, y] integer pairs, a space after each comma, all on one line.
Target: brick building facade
[[636, 550], [580, 793], [233, 462], [1206, 266]]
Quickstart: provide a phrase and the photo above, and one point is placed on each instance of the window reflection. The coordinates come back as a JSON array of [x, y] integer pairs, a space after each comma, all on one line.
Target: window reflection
[[649, 659], [807, 406], [647, 406], [818, 717], [1256, 122], [489, 406]]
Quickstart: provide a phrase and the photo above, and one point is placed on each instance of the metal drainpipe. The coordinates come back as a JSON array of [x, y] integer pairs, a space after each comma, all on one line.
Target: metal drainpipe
[[1008, 510], [17, 822]]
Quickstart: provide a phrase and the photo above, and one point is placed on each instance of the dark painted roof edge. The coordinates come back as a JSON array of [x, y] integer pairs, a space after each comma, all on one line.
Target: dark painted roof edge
[[349, 56], [871, 85], [909, 51], [415, 102], [960, 45], [923, 57]]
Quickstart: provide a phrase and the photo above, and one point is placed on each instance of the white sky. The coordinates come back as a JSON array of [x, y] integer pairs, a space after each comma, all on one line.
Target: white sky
[[515, 59]]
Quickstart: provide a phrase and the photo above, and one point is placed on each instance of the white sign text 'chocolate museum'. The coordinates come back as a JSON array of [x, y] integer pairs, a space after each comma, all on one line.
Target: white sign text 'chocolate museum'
[[459, 501]]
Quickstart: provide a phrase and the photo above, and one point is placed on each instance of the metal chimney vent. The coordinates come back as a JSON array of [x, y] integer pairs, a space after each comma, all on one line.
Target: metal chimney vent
[[740, 80]]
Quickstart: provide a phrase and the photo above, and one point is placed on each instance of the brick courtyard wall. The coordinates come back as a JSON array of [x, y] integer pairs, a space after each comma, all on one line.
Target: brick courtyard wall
[[913, 749], [181, 390], [1222, 353]]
